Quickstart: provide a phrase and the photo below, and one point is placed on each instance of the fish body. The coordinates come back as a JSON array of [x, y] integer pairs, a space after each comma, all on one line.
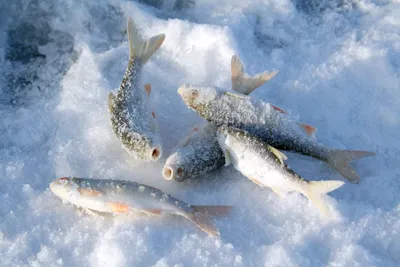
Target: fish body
[[278, 129], [264, 165], [118, 196], [132, 119], [200, 152]]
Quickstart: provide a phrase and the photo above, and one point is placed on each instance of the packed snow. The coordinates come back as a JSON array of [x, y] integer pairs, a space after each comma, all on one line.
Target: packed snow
[[339, 70]]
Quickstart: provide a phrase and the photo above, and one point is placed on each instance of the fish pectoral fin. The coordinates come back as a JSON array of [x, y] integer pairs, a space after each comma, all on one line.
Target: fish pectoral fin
[[117, 207], [187, 139], [87, 192], [111, 102], [282, 157], [278, 191], [152, 211], [310, 130], [147, 88]]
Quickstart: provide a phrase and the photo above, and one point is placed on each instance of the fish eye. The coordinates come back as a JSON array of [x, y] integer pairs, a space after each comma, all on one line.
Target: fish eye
[[194, 93], [179, 172]]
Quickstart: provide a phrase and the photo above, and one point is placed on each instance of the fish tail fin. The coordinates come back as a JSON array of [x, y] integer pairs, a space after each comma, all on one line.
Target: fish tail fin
[[204, 223], [139, 48], [317, 189], [340, 159], [213, 210], [244, 83]]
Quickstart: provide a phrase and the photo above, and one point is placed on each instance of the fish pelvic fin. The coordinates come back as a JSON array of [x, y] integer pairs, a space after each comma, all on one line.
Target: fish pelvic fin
[[139, 48], [317, 189], [204, 223], [212, 210], [340, 159], [308, 129], [244, 83]]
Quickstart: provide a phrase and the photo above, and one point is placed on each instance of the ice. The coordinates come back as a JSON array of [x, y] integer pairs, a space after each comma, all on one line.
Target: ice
[[339, 64]]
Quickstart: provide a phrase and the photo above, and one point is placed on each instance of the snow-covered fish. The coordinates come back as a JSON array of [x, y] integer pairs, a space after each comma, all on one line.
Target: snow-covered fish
[[132, 119], [264, 165], [200, 153], [271, 124], [118, 196]]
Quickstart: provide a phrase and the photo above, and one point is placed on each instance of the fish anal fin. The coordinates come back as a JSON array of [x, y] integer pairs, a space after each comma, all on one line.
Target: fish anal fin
[[87, 192], [117, 207], [111, 102], [282, 157], [310, 130], [213, 210]]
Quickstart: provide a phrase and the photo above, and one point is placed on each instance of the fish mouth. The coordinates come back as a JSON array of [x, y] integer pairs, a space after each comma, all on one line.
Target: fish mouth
[[171, 172], [155, 154]]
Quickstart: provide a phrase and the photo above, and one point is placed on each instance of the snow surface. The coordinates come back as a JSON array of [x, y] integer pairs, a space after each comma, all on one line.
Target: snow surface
[[339, 65]]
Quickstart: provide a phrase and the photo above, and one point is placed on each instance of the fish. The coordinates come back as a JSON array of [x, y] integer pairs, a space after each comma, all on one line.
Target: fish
[[127, 197], [264, 165], [132, 119], [274, 126], [200, 152]]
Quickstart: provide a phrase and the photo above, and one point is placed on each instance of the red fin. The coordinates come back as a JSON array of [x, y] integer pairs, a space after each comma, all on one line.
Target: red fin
[[118, 207], [213, 210], [89, 192], [152, 211], [278, 109], [153, 114], [310, 130], [147, 88]]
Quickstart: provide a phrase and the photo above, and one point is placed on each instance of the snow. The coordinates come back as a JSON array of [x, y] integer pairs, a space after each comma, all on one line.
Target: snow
[[339, 64]]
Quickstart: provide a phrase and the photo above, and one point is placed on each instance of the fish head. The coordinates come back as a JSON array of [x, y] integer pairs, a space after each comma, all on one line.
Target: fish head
[[142, 147], [64, 187], [195, 96], [174, 168]]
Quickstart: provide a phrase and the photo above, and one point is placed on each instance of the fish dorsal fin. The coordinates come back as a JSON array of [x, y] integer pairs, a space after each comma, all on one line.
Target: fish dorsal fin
[[282, 157], [245, 83], [185, 141]]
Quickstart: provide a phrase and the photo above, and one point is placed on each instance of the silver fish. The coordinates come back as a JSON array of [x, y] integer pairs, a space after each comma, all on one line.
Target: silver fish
[[118, 196], [200, 153], [272, 125], [132, 119], [264, 165]]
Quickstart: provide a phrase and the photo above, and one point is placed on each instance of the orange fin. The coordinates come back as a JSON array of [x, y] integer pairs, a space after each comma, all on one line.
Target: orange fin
[[147, 88], [278, 109], [89, 192], [153, 114], [203, 222], [310, 130], [213, 210], [152, 211], [118, 207]]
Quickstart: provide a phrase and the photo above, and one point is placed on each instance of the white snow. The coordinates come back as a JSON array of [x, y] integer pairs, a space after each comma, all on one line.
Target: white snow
[[339, 71]]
